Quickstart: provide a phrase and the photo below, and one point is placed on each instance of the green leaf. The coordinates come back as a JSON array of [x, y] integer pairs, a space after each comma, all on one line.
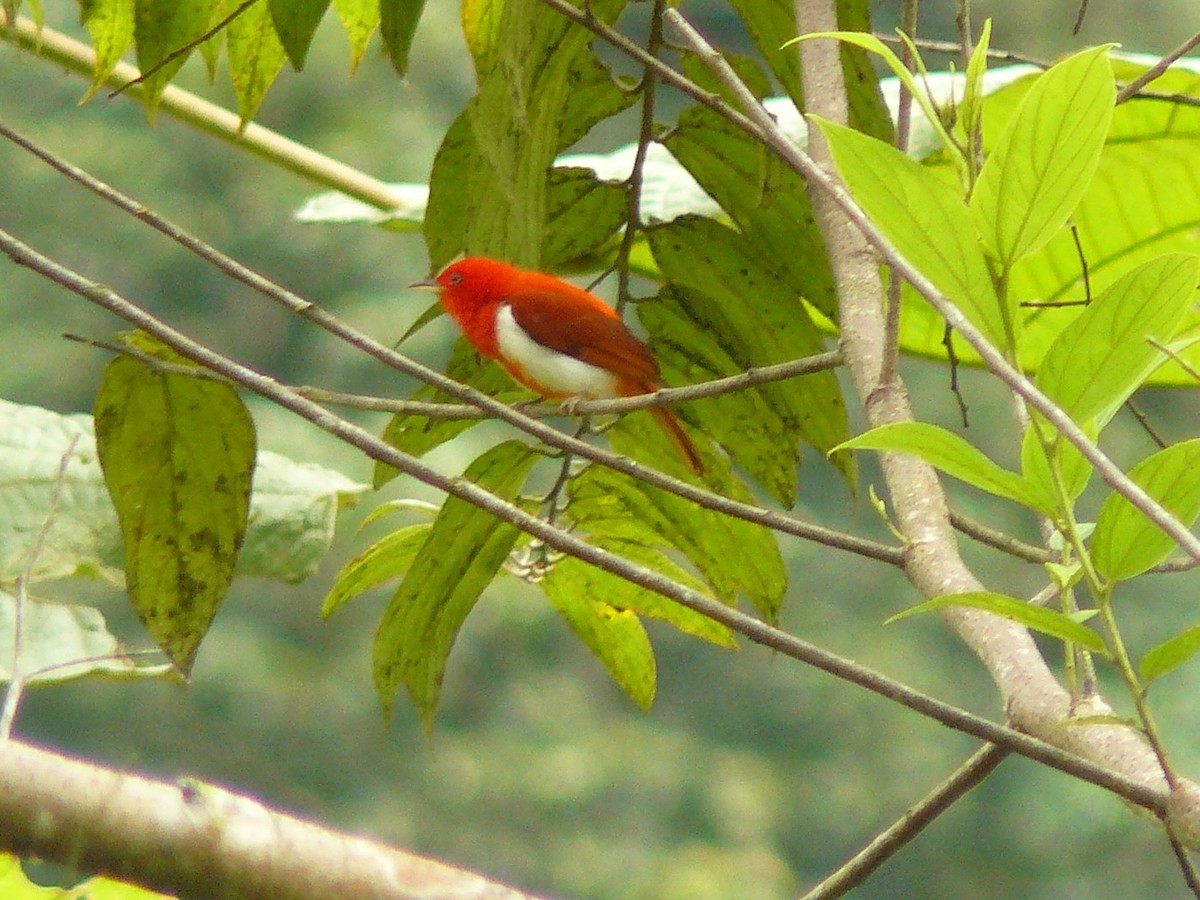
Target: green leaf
[[1126, 543], [765, 199], [418, 434], [292, 511], [583, 216], [540, 91], [627, 595], [730, 310], [255, 57], [295, 23], [1104, 355], [1038, 618], [608, 505], [1073, 468], [925, 217], [110, 25], [613, 633], [397, 23], [62, 642], [970, 110], [388, 558], [178, 455], [1170, 654], [359, 18], [872, 44], [1038, 171], [161, 28], [462, 553], [951, 454]]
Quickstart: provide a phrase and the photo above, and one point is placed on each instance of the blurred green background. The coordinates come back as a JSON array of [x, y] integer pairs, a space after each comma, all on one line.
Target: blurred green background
[[752, 776]]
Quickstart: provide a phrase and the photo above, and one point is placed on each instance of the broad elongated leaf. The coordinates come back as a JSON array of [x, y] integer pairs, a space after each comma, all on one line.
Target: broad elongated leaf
[[1074, 471], [540, 91], [110, 25], [951, 454], [292, 512], [1038, 171], [255, 57], [609, 505], [766, 201], [178, 455], [612, 632], [418, 434], [397, 23], [386, 559], [583, 216], [1039, 618], [295, 23], [359, 18], [1104, 355], [735, 309], [163, 27], [459, 558], [1170, 654], [1126, 543], [926, 218]]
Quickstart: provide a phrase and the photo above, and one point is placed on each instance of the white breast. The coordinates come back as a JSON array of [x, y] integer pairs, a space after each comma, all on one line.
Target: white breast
[[556, 372]]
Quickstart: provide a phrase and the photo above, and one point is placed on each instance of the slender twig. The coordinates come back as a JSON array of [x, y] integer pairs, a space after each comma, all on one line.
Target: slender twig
[[754, 629], [1079, 17], [1146, 424], [17, 679], [717, 387], [633, 185], [784, 523], [955, 48], [1000, 540], [992, 357], [891, 324], [184, 50], [1130, 90], [208, 117], [888, 842], [1084, 269]]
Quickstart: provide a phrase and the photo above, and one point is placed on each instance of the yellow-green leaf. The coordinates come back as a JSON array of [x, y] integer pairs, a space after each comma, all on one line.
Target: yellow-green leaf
[[178, 455], [459, 558]]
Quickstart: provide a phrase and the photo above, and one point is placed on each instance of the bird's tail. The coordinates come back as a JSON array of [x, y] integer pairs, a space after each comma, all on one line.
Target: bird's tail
[[670, 424]]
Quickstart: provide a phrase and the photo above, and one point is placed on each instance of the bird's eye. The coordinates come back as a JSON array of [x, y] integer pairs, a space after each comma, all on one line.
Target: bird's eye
[[455, 278]]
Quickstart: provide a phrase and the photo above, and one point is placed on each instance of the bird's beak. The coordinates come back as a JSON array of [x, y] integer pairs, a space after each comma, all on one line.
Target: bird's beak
[[429, 284]]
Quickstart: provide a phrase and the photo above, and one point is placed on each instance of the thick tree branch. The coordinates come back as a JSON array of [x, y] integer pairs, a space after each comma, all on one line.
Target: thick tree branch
[[200, 841]]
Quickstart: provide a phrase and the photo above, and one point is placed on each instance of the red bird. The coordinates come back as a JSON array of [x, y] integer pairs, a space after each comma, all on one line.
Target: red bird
[[553, 337]]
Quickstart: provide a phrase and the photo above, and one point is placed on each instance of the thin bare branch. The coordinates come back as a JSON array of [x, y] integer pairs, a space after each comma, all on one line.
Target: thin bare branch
[[918, 817], [1000, 540], [1131, 90], [808, 365]]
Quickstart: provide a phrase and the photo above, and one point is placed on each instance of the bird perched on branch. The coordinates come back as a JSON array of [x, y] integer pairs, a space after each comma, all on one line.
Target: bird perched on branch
[[553, 337]]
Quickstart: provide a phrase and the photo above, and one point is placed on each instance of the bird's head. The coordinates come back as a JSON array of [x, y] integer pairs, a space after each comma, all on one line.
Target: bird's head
[[472, 281]]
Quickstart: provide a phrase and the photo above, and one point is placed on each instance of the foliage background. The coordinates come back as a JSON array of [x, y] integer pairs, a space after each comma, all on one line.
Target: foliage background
[[752, 776]]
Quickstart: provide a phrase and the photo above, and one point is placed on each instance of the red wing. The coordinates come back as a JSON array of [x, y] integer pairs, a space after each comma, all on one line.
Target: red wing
[[586, 330]]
